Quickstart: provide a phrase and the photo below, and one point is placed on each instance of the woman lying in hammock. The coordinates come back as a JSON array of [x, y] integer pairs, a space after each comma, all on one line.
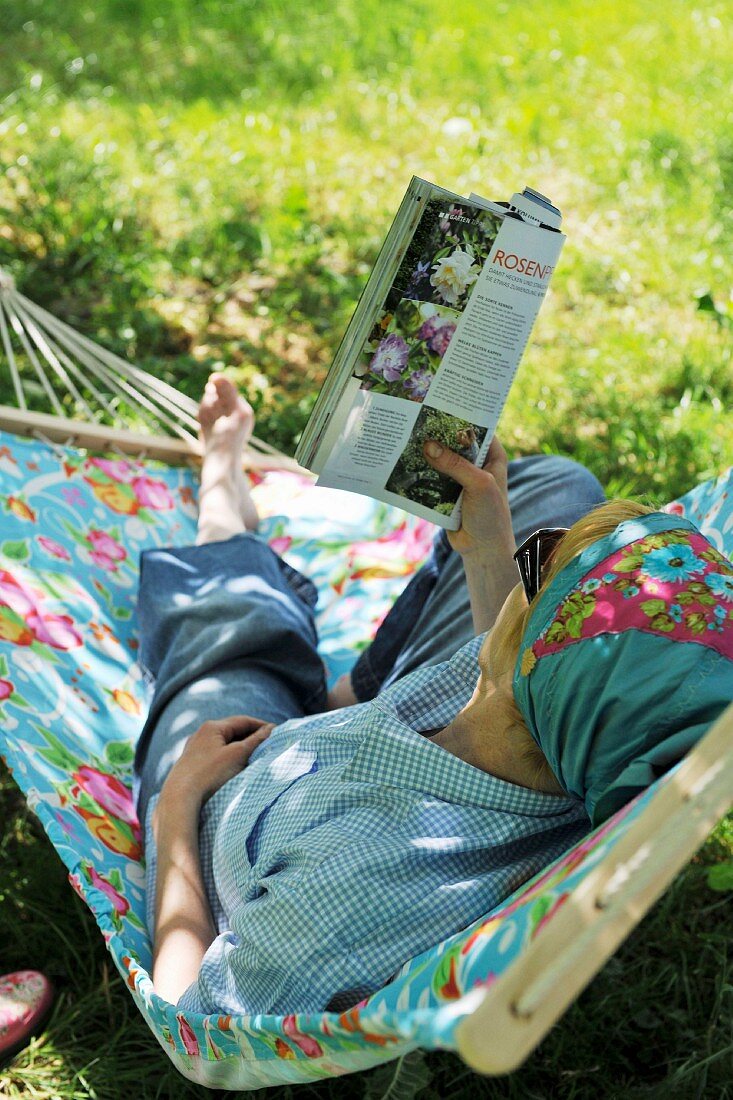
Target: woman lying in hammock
[[300, 851]]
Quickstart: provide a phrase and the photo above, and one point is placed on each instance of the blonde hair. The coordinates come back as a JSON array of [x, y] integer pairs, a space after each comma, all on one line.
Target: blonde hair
[[599, 523]]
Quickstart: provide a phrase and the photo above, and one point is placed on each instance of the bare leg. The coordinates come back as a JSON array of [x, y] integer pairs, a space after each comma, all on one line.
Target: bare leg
[[225, 505]]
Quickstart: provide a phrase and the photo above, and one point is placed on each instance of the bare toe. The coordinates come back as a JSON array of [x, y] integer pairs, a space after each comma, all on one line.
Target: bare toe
[[226, 393], [210, 408], [223, 412]]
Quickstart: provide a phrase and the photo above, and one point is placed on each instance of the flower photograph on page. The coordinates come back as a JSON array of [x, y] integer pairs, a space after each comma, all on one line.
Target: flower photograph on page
[[405, 348], [414, 479], [448, 249]]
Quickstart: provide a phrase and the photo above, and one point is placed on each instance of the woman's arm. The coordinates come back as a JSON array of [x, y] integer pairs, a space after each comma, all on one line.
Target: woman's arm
[[485, 542], [342, 693], [184, 929], [183, 925], [485, 539]]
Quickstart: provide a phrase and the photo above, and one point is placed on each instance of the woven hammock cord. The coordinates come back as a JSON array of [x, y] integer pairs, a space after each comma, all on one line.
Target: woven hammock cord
[[70, 365], [57, 448], [181, 405], [19, 395], [67, 351], [184, 406], [113, 371], [40, 372], [95, 363], [44, 347]]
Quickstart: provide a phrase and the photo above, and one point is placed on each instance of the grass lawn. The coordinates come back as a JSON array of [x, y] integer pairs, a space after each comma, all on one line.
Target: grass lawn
[[207, 183]]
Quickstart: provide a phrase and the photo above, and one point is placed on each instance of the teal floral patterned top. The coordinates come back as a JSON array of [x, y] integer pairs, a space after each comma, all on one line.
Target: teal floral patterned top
[[627, 658]]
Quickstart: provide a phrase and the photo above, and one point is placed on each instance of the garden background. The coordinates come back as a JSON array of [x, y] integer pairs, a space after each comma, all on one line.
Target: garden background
[[200, 183]]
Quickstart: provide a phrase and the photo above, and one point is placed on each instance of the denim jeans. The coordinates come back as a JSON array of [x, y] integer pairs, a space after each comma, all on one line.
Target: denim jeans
[[431, 619], [225, 628]]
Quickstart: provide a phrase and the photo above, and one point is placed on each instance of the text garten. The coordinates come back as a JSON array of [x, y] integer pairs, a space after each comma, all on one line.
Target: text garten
[[523, 265]]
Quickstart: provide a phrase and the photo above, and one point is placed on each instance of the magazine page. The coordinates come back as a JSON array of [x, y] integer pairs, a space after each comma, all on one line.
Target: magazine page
[[315, 442], [441, 356]]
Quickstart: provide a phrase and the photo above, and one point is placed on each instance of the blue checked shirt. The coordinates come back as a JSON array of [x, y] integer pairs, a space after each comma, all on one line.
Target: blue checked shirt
[[351, 843]]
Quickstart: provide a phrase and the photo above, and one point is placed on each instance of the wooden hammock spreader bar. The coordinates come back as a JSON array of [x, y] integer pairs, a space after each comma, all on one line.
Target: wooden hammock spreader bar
[[516, 1012], [97, 437]]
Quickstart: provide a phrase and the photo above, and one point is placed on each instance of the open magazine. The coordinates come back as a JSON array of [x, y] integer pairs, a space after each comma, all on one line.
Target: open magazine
[[433, 346]]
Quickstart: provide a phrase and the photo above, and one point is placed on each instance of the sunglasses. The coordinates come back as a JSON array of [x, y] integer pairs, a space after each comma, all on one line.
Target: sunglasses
[[533, 556]]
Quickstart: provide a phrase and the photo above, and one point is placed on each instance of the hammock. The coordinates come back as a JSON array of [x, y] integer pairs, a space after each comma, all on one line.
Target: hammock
[[72, 703]]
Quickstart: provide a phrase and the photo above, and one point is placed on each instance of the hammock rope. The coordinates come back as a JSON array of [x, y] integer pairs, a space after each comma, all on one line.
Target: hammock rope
[[64, 361]]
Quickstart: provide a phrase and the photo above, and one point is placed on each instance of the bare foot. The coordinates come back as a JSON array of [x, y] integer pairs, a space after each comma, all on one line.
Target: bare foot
[[227, 421], [224, 415]]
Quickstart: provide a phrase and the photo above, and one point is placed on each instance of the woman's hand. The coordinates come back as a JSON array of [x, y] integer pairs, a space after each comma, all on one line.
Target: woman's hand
[[486, 522], [485, 539], [213, 755]]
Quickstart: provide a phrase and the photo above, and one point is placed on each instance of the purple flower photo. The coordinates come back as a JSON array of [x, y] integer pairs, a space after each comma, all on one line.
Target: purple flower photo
[[418, 384], [437, 332], [405, 349], [390, 358]]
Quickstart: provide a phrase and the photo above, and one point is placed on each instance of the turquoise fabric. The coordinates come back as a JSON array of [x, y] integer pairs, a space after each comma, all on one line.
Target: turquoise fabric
[[627, 659]]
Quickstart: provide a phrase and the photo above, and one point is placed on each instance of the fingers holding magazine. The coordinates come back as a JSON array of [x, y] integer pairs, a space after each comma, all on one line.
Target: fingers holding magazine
[[484, 539], [485, 534]]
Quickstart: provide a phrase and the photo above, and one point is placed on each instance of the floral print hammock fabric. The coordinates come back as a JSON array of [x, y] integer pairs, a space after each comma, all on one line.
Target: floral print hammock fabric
[[72, 703]]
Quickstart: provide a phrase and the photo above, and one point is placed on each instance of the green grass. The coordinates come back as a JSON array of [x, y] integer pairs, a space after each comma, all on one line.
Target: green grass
[[198, 183]]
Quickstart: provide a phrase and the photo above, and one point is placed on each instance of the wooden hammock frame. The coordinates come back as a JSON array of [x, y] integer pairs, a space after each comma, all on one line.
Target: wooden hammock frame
[[513, 1015], [98, 437]]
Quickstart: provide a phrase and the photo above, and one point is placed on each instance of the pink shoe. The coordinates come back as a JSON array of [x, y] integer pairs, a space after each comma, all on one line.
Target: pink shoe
[[25, 1001]]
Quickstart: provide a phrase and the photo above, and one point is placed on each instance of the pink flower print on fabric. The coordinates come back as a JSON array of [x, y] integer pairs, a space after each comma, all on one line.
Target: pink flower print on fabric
[[23, 620], [391, 555], [58, 631], [74, 497], [310, 1046], [120, 904], [117, 469], [106, 552], [281, 544], [123, 489], [55, 549], [153, 494], [19, 597], [188, 1036], [108, 792], [674, 583], [674, 509]]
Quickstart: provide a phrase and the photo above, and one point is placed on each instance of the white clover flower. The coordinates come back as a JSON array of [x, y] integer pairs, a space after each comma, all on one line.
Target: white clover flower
[[452, 275]]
